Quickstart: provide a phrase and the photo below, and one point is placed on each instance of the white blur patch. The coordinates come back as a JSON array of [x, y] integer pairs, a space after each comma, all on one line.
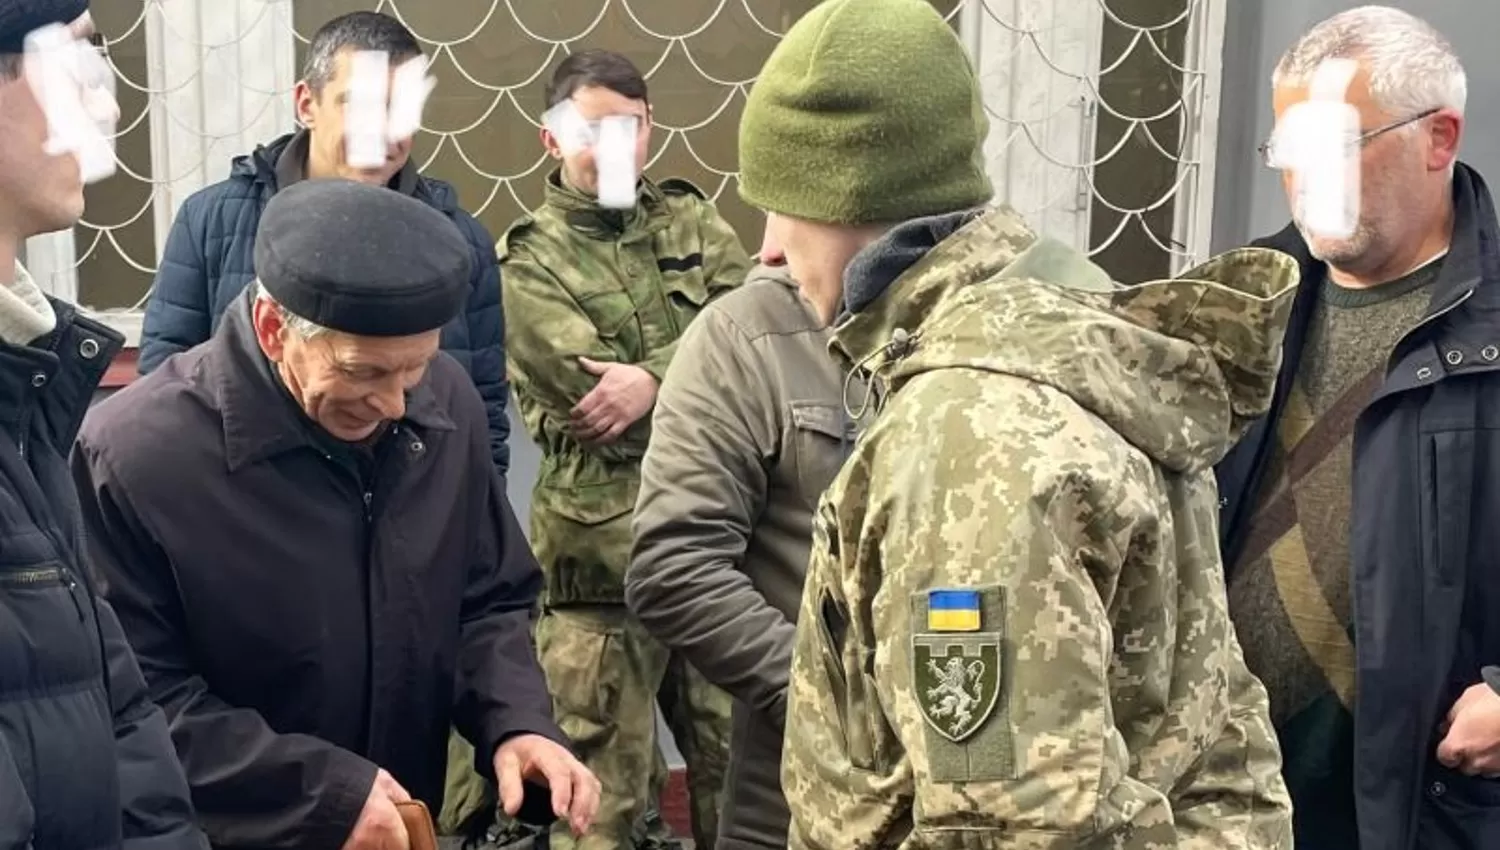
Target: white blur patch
[[613, 141], [75, 87], [382, 108], [615, 158], [1318, 142]]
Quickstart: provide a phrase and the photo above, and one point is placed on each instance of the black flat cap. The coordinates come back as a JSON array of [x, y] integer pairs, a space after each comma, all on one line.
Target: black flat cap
[[362, 259], [19, 17]]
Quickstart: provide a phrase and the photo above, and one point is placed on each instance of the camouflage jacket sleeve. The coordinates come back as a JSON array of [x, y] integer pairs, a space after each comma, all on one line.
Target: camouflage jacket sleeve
[[725, 265], [546, 331], [951, 672]]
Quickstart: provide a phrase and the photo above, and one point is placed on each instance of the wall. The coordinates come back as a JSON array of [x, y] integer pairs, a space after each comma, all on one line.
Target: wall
[[1248, 201]]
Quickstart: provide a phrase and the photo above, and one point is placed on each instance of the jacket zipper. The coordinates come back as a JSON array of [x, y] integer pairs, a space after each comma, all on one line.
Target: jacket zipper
[[45, 576], [40, 575]]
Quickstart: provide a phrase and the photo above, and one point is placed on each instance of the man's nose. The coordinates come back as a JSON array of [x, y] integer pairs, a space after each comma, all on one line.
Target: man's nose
[[390, 402]]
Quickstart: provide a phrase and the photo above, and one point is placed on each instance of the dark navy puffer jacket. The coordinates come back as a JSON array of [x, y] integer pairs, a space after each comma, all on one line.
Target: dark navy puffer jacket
[[209, 259], [86, 760]]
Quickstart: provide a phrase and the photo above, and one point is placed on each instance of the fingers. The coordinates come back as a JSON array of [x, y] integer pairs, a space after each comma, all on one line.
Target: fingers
[[508, 776], [399, 838], [559, 780], [575, 791], [587, 405], [1450, 754], [615, 430], [594, 367], [391, 788], [586, 793], [595, 425]]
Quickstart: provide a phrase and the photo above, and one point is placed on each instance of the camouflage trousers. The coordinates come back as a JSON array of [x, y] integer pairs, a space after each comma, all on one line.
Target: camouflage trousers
[[606, 675], [467, 797]]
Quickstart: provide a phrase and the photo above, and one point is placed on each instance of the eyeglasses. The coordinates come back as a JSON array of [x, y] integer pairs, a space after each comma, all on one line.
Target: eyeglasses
[[1267, 149]]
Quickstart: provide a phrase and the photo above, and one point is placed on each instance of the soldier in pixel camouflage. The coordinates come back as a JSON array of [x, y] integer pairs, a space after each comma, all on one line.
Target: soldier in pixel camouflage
[[596, 295], [1014, 630]]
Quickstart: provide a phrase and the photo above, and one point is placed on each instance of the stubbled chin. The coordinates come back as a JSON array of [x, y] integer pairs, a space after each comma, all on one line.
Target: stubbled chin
[[1328, 250]]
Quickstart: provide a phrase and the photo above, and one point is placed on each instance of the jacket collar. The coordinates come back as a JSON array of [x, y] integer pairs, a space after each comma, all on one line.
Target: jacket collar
[[260, 419], [887, 287], [583, 213], [283, 161], [55, 376], [1466, 295]]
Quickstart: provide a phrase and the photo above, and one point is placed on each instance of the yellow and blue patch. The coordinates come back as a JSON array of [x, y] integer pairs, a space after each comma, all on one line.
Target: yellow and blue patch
[[953, 610]]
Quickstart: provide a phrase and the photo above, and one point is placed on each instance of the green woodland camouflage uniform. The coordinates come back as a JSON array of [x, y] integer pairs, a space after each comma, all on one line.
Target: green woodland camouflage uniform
[[1014, 631], [621, 286]]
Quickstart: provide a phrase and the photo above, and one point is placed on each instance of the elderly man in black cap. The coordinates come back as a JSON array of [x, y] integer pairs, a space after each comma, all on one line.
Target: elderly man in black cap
[[311, 551], [86, 761]]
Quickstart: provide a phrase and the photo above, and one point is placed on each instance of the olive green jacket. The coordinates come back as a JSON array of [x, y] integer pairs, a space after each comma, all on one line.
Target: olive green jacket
[[750, 429], [579, 280]]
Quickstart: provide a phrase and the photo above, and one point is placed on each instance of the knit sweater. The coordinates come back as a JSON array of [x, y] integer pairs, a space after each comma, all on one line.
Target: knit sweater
[[1291, 592]]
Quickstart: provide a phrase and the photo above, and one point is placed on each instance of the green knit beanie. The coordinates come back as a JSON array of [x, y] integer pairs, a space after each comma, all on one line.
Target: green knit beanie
[[867, 112]]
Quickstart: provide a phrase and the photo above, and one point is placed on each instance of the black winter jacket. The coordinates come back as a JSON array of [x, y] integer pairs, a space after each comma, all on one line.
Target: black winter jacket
[[85, 759], [1424, 539]]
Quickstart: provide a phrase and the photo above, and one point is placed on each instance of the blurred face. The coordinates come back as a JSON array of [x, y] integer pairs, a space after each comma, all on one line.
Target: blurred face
[[594, 103], [350, 385], [42, 192], [1404, 165], [816, 254], [322, 113]]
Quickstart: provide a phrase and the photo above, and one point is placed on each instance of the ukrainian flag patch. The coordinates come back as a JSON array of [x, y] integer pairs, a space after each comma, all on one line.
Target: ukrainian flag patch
[[953, 610]]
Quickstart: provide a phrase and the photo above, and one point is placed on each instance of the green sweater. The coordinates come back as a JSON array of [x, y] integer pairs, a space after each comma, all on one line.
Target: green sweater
[[1291, 593]]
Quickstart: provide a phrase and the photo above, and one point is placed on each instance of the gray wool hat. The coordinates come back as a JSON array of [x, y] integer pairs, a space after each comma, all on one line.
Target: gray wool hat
[[362, 259]]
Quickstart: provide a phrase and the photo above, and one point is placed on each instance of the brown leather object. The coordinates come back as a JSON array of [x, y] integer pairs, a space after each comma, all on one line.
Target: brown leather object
[[419, 828]]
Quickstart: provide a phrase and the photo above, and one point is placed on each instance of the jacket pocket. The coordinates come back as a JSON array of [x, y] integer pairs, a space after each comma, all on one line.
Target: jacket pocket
[[684, 281], [585, 658], [615, 320], [612, 312], [1451, 493], [50, 623], [581, 536], [819, 440]]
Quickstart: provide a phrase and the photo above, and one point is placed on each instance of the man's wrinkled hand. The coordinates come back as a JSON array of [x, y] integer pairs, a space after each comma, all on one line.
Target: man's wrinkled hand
[[575, 790], [1471, 741], [624, 394], [380, 826]]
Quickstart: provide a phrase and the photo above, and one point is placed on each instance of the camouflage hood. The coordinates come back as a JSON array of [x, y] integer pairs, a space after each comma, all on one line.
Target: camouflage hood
[[1178, 367]]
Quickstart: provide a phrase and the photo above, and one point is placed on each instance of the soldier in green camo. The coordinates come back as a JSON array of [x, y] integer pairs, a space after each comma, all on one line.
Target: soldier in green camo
[[1014, 631], [596, 297]]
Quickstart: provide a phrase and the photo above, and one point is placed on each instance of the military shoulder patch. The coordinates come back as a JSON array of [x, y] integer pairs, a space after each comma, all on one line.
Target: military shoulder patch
[[958, 674]]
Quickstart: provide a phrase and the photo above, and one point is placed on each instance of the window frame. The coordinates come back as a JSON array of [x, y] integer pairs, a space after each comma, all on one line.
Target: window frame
[[242, 63], [240, 66]]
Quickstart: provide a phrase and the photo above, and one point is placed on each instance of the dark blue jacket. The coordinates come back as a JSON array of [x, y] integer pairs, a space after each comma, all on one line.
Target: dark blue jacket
[[1424, 542], [86, 762], [209, 259]]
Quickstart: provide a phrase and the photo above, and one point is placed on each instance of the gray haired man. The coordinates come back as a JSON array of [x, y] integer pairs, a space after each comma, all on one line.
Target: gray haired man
[[1359, 519]]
